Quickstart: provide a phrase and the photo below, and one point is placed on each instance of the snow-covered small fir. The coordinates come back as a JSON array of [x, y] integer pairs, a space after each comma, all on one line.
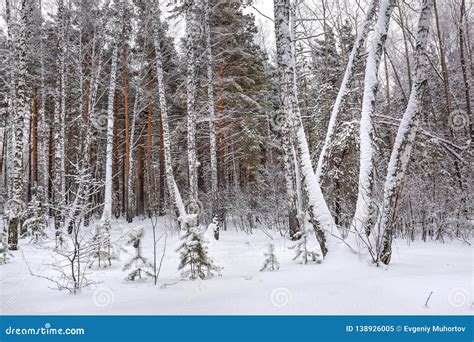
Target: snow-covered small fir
[[306, 248], [214, 227], [271, 263], [36, 221], [140, 267], [195, 261], [4, 253], [103, 252]]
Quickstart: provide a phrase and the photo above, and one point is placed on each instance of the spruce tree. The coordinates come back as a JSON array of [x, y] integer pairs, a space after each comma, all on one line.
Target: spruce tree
[[271, 263], [35, 222], [140, 266], [4, 252], [304, 248], [195, 261]]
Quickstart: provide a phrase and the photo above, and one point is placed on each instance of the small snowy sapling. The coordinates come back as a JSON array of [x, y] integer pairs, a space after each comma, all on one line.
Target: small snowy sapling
[[304, 249], [271, 263], [214, 226], [35, 223], [4, 252], [195, 261], [141, 267]]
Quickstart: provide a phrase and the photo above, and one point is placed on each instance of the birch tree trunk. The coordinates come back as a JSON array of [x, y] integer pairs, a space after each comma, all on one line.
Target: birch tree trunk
[[96, 68], [131, 175], [354, 57], [320, 215], [285, 118], [16, 204], [211, 106], [127, 132], [11, 100], [172, 186], [191, 28], [405, 136], [59, 126], [362, 216], [107, 211], [43, 129]]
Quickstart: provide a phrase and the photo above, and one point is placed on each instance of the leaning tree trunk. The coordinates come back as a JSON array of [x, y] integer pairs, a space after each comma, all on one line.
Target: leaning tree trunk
[[354, 58], [320, 215], [171, 182], [362, 216], [465, 76], [405, 136]]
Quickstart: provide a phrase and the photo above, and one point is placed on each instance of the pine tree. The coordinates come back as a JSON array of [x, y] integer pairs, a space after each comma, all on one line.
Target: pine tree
[[242, 92], [271, 263], [195, 261]]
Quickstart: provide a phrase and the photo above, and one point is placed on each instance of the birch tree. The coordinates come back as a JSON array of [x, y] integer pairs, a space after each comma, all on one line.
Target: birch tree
[[16, 204], [286, 75], [59, 126], [190, 18], [354, 57], [171, 182], [321, 218], [211, 103], [43, 127], [402, 147], [362, 216], [107, 211]]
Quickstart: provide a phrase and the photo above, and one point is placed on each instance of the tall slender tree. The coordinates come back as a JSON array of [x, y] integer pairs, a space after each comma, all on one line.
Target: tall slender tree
[[364, 206], [402, 147]]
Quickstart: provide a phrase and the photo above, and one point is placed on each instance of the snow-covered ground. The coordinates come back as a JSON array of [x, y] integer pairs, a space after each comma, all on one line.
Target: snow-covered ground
[[340, 285]]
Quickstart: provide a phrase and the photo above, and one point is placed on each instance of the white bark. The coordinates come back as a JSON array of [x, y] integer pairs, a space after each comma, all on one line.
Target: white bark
[[401, 150], [59, 124], [354, 57], [287, 79], [172, 186], [22, 110], [190, 104], [131, 175], [321, 217], [43, 129], [107, 211], [11, 105], [211, 102], [366, 169]]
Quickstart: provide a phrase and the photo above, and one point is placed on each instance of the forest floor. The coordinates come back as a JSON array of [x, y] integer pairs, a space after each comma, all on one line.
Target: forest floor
[[340, 285]]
